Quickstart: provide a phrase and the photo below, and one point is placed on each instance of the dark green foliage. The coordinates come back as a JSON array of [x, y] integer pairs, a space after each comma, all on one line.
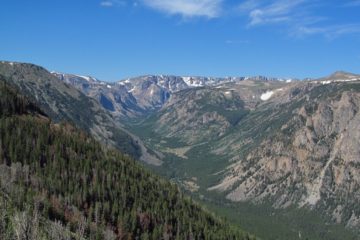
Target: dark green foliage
[[281, 224], [92, 190], [126, 143], [13, 103]]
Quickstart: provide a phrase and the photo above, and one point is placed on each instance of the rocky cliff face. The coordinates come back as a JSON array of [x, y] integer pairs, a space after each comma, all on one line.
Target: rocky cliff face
[[113, 97], [304, 150], [196, 115]]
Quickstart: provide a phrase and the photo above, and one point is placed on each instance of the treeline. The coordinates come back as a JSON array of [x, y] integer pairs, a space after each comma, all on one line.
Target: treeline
[[67, 185]]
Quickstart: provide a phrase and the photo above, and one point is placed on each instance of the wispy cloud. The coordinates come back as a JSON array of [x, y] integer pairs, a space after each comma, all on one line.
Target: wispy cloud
[[266, 12], [187, 8], [330, 32], [249, 5], [106, 4], [112, 3], [299, 17]]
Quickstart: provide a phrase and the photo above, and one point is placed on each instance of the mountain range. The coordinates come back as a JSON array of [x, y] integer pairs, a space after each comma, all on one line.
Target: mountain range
[[57, 182], [140, 96], [288, 146]]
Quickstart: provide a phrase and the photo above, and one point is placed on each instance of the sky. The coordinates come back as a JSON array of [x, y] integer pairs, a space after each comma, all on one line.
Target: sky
[[117, 39]]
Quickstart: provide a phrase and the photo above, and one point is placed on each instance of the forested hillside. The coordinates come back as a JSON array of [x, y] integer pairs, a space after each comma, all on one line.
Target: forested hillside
[[62, 102], [58, 183]]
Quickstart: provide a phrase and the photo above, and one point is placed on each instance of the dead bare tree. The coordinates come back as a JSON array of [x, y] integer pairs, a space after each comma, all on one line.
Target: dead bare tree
[[57, 231], [22, 226], [81, 228], [109, 235]]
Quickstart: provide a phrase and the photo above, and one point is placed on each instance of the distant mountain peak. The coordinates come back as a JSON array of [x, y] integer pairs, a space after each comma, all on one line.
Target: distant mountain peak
[[73, 77], [343, 74]]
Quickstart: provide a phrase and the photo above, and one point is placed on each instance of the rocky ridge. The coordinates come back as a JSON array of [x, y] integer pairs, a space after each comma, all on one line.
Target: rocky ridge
[[139, 96], [303, 150], [62, 102]]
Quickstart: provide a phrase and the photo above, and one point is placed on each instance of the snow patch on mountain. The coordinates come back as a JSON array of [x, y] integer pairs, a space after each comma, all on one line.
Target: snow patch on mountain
[[193, 82], [85, 77], [325, 82], [267, 95]]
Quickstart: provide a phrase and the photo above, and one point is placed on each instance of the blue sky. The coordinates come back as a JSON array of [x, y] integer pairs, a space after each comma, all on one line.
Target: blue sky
[[115, 39]]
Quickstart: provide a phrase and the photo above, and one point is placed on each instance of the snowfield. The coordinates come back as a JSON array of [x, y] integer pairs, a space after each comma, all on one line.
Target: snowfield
[[266, 96]]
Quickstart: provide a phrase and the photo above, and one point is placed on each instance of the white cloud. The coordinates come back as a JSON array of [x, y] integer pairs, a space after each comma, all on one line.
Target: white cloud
[[188, 8], [273, 12], [298, 17]]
